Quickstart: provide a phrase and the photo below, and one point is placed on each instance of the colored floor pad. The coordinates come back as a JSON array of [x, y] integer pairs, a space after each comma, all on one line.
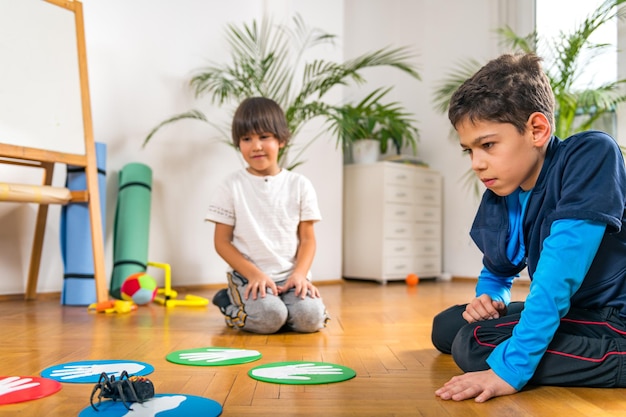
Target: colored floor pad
[[213, 356], [301, 373], [17, 389], [89, 371], [163, 405]]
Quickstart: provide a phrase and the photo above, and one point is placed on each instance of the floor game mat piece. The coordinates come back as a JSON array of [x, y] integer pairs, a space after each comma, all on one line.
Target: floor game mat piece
[[213, 356], [17, 389], [84, 372], [163, 405], [301, 373]]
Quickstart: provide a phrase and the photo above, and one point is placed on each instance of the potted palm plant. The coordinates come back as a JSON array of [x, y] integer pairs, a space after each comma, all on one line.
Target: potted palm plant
[[564, 61], [267, 60], [369, 126]]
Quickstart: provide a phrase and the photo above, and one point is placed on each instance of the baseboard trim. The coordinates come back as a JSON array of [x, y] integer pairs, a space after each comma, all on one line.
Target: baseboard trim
[[40, 296], [462, 278]]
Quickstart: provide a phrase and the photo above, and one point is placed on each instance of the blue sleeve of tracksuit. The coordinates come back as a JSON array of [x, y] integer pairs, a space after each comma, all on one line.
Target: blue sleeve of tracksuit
[[498, 288], [565, 259]]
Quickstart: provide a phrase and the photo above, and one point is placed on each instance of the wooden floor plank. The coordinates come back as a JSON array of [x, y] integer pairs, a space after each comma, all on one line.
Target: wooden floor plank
[[381, 332]]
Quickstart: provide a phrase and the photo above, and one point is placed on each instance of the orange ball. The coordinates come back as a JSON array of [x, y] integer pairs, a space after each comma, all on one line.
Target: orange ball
[[412, 279]]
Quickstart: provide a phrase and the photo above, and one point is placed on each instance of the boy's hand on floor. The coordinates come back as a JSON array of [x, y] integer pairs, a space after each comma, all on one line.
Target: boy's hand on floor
[[481, 385]]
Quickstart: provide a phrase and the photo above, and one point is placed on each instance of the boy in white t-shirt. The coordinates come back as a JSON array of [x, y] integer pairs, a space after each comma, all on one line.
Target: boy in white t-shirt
[[264, 217]]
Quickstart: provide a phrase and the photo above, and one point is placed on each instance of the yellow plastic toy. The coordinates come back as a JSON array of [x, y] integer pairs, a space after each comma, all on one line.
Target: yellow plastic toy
[[113, 306], [167, 296]]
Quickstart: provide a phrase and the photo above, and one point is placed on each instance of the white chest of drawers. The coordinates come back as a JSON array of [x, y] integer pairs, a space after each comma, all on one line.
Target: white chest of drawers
[[392, 221]]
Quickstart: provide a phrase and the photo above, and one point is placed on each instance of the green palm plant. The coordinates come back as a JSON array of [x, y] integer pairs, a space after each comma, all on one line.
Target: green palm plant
[[269, 60], [565, 58], [372, 119]]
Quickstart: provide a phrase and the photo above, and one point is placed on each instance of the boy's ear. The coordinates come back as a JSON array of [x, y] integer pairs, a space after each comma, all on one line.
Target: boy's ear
[[540, 127]]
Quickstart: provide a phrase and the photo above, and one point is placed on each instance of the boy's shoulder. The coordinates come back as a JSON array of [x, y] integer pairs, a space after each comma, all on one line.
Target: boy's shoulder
[[293, 176], [231, 178], [588, 143], [590, 137]]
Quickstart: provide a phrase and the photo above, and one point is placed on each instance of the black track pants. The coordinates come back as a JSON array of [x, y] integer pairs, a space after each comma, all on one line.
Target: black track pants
[[588, 349]]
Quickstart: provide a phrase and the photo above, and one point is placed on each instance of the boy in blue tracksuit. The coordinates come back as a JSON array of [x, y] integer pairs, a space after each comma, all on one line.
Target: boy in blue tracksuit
[[556, 207]]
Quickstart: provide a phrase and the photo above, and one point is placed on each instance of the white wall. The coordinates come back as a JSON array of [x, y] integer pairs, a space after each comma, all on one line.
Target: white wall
[[442, 33], [141, 54]]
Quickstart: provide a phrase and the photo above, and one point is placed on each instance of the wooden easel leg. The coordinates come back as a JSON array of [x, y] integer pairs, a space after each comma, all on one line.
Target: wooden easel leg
[[97, 238], [40, 230], [35, 256]]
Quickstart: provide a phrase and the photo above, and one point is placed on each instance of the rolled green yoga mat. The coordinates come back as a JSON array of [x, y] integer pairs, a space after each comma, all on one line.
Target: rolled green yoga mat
[[132, 224]]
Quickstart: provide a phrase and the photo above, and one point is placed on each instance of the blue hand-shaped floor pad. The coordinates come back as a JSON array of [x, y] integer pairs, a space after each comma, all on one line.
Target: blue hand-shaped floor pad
[[84, 372], [162, 404]]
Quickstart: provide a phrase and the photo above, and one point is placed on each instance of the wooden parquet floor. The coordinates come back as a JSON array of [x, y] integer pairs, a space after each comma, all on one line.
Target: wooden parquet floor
[[382, 332]]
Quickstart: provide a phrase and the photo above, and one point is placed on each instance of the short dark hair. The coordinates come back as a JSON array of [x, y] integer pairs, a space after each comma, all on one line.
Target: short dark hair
[[259, 115], [507, 89]]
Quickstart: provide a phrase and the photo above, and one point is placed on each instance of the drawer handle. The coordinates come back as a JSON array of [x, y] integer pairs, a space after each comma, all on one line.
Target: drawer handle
[[400, 267], [403, 230], [400, 249], [400, 194], [400, 213]]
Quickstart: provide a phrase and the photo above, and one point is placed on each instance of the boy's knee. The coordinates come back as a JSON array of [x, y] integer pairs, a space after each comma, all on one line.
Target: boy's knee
[[307, 317], [271, 321], [440, 335], [307, 324], [465, 350], [445, 327], [265, 317]]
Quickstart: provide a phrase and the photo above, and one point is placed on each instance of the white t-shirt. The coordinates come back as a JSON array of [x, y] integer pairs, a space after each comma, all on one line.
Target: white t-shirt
[[265, 213]]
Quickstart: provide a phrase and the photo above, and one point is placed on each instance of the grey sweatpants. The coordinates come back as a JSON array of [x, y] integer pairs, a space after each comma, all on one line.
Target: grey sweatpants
[[270, 313]]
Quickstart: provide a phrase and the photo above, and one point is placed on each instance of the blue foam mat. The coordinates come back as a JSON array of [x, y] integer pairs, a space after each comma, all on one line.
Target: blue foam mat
[[78, 284]]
